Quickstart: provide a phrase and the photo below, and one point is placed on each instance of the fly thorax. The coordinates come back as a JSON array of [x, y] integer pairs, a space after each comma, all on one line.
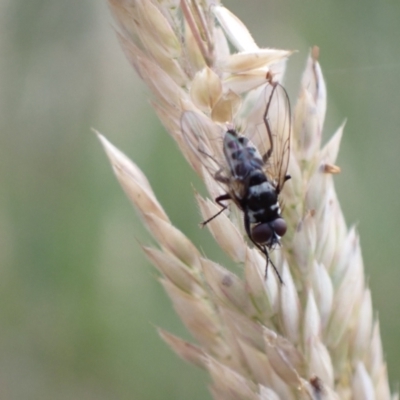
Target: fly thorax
[[241, 155]]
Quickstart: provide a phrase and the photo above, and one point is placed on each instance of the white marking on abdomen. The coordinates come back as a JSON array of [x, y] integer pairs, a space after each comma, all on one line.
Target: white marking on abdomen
[[261, 188], [274, 207]]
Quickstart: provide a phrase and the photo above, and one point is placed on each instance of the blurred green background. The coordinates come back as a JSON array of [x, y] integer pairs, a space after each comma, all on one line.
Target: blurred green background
[[79, 303]]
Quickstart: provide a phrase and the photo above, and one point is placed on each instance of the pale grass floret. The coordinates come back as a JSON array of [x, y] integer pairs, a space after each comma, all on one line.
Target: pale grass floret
[[313, 337]]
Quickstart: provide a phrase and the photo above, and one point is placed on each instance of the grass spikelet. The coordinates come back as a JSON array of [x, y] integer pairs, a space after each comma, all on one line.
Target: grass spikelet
[[313, 337]]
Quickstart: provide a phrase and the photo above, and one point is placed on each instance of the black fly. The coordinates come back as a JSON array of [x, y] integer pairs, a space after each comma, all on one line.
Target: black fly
[[252, 168]]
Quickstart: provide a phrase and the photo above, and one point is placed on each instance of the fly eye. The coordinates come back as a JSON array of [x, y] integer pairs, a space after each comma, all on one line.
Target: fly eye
[[262, 233], [265, 232], [279, 226]]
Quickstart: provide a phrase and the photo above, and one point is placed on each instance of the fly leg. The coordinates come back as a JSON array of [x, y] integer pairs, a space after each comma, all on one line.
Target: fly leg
[[267, 155], [218, 200], [263, 249]]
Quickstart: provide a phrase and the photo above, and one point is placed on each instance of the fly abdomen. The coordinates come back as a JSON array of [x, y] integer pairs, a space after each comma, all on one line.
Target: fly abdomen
[[261, 198]]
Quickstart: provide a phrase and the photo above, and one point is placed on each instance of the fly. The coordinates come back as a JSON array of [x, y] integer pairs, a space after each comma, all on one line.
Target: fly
[[252, 168]]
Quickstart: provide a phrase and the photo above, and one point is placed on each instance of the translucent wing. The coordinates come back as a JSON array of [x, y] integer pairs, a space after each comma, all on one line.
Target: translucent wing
[[204, 140], [270, 130], [277, 119]]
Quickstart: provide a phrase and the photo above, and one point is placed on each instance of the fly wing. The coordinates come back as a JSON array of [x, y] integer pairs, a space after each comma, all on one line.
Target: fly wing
[[270, 130], [278, 123], [204, 140]]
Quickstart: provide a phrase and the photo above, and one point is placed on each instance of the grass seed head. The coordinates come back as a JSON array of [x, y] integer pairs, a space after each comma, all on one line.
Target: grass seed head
[[312, 337]]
